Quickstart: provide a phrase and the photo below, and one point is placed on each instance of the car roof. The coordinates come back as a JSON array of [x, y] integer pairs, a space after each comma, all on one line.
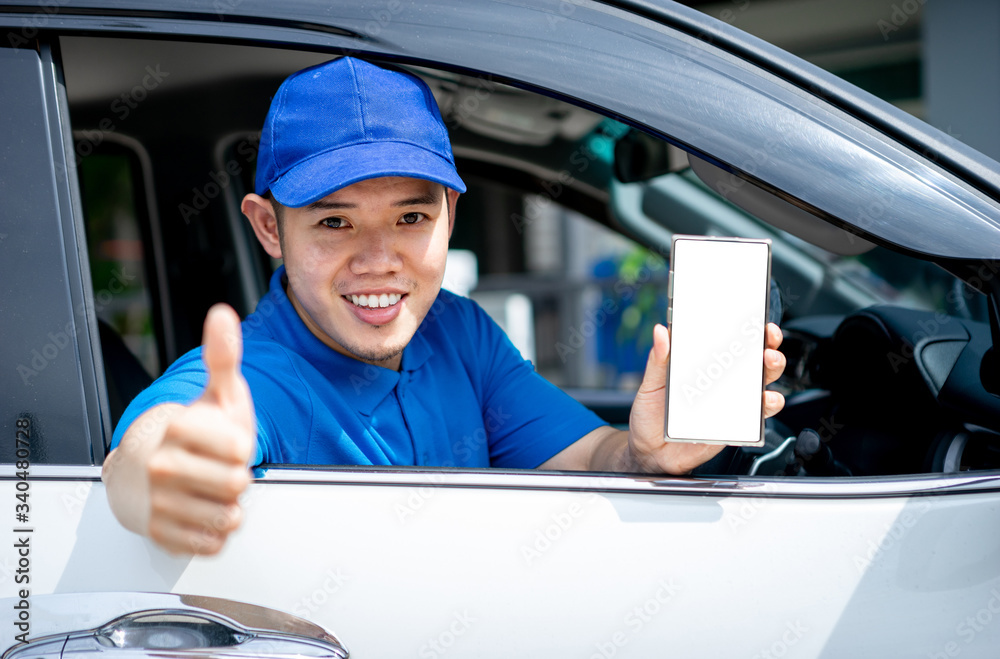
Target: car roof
[[822, 138]]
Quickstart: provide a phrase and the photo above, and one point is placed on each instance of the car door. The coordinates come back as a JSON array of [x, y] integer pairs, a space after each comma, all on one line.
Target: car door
[[430, 562]]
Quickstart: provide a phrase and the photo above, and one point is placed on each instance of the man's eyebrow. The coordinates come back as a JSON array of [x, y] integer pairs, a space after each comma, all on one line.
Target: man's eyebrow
[[420, 200], [324, 205]]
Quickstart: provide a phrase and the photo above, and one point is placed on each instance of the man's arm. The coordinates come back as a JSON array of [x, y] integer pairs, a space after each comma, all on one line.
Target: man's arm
[[641, 448], [171, 480]]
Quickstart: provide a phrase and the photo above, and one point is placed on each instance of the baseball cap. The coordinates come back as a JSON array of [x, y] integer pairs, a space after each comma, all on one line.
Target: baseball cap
[[345, 121]]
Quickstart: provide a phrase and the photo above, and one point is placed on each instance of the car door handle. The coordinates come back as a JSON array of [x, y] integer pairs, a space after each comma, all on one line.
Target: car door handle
[[191, 630]]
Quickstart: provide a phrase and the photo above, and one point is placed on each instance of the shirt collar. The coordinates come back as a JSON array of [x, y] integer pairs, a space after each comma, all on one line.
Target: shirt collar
[[367, 384]]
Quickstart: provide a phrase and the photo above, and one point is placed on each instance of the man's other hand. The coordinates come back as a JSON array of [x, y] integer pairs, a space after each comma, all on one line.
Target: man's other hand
[[179, 470], [645, 442]]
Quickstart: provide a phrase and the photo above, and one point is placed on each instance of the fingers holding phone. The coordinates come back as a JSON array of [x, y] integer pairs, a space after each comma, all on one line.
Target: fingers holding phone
[[774, 366]]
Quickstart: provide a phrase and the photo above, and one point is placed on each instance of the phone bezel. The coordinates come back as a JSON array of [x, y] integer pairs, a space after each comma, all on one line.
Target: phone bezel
[[670, 305]]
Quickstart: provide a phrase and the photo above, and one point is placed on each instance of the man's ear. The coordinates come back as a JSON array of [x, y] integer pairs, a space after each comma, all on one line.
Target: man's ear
[[265, 224], [452, 200]]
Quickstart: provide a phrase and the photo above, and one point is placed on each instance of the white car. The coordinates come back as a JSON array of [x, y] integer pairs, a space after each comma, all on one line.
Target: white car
[[866, 526]]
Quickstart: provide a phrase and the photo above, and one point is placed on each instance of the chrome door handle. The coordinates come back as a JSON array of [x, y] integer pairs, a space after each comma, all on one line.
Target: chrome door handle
[[193, 626]]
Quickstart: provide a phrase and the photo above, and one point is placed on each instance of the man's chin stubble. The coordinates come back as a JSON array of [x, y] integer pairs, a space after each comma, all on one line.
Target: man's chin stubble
[[376, 357]]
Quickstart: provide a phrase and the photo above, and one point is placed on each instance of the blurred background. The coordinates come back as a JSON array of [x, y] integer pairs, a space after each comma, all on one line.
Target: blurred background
[[937, 60], [577, 297]]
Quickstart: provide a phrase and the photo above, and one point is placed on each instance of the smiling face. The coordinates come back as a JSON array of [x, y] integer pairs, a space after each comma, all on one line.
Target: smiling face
[[365, 263]]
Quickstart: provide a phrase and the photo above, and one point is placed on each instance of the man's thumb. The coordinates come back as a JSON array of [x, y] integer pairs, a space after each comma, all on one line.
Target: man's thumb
[[655, 378], [646, 418], [222, 352]]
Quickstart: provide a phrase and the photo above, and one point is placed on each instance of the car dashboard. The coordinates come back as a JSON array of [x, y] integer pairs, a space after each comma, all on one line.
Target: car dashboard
[[890, 390]]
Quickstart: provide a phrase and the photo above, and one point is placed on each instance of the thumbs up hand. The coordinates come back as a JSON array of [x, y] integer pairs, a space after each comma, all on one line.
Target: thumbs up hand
[[199, 469]]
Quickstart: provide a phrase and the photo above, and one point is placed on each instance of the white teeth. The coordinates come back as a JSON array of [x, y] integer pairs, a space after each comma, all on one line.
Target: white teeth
[[375, 301]]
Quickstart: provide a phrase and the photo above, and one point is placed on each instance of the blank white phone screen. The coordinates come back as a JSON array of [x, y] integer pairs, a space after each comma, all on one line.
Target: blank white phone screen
[[719, 306]]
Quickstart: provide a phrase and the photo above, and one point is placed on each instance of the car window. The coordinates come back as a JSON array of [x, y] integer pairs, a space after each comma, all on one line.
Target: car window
[[884, 276], [120, 254], [566, 252], [594, 296]]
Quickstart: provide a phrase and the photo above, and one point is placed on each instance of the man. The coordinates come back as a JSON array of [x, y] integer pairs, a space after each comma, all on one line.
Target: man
[[356, 355]]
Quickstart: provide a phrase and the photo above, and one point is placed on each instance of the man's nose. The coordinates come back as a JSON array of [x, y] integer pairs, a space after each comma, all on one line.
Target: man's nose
[[377, 254]]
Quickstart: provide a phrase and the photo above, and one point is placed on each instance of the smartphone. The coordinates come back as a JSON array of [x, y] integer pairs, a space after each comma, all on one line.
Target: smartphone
[[719, 292]]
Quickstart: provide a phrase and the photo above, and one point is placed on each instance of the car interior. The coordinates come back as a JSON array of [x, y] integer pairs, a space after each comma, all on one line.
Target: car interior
[[566, 209]]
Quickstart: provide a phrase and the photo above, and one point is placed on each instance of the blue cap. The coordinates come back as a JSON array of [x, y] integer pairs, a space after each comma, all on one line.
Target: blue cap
[[345, 121]]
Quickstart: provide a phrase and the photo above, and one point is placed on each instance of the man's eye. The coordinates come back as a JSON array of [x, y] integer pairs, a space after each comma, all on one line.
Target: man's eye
[[412, 218], [333, 222]]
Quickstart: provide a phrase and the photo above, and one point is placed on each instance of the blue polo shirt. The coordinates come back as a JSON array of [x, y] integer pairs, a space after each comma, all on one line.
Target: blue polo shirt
[[463, 397]]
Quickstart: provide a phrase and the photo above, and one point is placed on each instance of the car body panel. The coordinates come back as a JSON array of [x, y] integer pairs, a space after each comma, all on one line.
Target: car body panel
[[551, 562]]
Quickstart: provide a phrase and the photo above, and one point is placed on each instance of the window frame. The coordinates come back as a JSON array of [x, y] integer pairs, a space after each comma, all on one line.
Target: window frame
[[329, 42], [66, 402], [154, 260]]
